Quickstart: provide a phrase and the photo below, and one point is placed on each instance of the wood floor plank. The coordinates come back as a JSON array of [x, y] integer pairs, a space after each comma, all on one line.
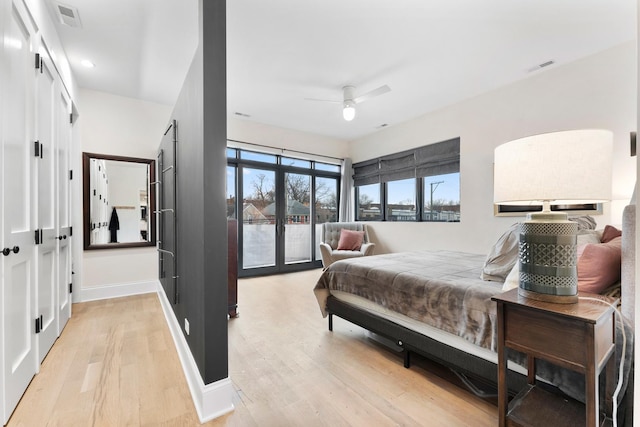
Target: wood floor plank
[[115, 364]]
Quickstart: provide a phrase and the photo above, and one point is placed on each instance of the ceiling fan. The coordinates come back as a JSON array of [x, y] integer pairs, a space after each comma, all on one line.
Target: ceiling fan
[[349, 100]]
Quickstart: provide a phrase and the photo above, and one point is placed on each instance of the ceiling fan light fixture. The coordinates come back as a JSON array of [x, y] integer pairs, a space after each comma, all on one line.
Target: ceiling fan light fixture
[[349, 110]]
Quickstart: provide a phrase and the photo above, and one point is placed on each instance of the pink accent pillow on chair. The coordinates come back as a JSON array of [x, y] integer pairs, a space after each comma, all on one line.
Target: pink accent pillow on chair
[[350, 240]]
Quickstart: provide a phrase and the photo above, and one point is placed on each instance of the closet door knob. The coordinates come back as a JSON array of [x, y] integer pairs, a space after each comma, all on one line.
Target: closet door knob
[[16, 249], [6, 251]]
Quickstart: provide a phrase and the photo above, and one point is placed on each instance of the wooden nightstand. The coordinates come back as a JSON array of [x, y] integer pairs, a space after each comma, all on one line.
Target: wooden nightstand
[[579, 336]]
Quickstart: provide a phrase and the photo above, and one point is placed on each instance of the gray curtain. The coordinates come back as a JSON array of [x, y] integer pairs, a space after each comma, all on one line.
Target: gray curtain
[[345, 213]]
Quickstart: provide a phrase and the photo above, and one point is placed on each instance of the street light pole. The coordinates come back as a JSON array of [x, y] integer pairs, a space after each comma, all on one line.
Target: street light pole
[[431, 203]]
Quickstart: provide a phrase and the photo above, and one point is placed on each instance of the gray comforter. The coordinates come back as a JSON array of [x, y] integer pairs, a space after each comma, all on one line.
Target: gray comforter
[[443, 289]]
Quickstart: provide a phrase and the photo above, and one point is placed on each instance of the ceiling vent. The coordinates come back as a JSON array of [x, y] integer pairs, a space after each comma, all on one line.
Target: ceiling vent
[[68, 15], [541, 66]]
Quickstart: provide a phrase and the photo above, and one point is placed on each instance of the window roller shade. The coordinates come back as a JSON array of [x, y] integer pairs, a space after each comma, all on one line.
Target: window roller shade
[[398, 166], [434, 159], [367, 172]]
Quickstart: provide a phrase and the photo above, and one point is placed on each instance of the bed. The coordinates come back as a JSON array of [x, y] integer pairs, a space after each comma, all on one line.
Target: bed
[[435, 303]]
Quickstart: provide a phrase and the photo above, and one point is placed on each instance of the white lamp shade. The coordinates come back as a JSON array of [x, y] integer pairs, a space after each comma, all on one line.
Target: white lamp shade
[[569, 167]]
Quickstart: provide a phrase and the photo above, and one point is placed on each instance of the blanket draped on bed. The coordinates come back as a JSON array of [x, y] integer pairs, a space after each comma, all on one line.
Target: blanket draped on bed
[[442, 289]]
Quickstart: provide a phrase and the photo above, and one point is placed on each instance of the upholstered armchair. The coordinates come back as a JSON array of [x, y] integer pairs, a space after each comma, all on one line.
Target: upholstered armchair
[[331, 238]]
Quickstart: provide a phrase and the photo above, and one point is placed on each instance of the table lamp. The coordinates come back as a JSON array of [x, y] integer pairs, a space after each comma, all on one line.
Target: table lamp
[[569, 167]]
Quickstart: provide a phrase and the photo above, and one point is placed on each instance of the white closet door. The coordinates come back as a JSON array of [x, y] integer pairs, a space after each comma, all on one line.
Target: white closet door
[[63, 203], [17, 298], [47, 249]]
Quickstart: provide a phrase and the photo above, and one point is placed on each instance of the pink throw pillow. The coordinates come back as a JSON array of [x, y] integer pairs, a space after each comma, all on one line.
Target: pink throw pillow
[[599, 265], [350, 240], [610, 233]]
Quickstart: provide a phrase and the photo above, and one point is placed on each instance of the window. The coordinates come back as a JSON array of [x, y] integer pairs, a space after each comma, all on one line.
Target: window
[[420, 184], [441, 198], [257, 157], [326, 192], [327, 167], [288, 161], [368, 205], [401, 200]]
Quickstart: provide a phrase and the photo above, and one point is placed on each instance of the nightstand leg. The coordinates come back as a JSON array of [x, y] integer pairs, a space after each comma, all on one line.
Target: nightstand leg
[[531, 369], [591, 383], [502, 370]]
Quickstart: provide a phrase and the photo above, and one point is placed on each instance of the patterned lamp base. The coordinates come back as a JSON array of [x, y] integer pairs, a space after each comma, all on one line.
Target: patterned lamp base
[[548, 261]]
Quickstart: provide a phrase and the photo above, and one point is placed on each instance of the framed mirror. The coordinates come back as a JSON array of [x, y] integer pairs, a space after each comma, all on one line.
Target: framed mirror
[[118, 201]]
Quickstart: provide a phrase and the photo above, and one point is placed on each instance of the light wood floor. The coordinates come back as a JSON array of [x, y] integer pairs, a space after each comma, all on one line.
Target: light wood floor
[[115, 365]]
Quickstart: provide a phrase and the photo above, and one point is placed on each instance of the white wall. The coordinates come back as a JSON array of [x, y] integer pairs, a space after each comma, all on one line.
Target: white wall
[[258, 133], [115, 125], [595, 92]]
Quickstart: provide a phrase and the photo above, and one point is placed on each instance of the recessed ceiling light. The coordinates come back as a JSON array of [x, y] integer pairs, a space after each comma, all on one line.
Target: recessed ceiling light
[[87, 63]]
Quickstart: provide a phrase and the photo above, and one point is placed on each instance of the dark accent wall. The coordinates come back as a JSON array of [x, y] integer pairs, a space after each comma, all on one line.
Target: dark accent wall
[[200, 113]]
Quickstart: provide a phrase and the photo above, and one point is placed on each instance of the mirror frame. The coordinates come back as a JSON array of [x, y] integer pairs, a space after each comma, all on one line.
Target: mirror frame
[[86, 208]]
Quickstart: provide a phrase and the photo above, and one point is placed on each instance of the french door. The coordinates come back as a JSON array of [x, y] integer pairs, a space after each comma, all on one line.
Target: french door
[[279, 214]]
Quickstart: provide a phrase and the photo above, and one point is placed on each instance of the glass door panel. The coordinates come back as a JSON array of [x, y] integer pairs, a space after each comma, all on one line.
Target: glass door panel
[[297, 218], [258, 218], [231, 192], [326, 204]]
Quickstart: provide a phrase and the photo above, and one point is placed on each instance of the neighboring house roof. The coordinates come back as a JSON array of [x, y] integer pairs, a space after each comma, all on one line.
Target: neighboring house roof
[[248, 210], [294, 207]]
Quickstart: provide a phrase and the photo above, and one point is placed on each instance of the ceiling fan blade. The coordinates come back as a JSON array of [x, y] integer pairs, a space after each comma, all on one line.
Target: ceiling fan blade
[[324, 100], [372, 94]]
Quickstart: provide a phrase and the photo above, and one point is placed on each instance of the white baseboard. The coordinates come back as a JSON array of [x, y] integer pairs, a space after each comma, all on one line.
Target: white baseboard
[[115, 291], [211, 400]]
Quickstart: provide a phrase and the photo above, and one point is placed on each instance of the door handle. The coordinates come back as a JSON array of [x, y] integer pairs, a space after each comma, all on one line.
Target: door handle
[[7, 251]]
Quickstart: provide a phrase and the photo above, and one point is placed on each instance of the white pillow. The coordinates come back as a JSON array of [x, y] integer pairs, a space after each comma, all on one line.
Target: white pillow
[[513, 278], [502, 256]]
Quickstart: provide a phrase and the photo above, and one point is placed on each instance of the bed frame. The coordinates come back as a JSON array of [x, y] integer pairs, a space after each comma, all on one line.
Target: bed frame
[[409, 341], [477, 368]]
